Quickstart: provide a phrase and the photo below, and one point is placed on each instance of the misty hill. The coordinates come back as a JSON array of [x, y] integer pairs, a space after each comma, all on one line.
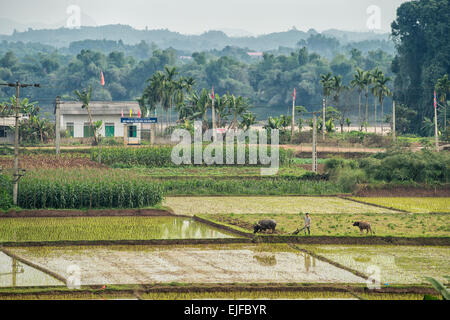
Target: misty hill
[[164, 38]]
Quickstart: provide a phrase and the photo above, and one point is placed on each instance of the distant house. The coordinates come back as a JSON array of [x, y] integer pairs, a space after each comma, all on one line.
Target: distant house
[[255, 54], [75, 120], [6, 133]]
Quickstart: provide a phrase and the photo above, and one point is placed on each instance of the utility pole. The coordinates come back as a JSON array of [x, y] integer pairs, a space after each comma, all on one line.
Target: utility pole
[[436, 137], [17, 175], [323, 118], [314, 144], [393, 120], [293, 116], [213, 114], [57, 125]]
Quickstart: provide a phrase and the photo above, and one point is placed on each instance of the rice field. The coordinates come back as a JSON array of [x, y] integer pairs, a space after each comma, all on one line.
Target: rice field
[[267, 204], [398, 225], [395, 264], [25, 276], [211, 264], [104, 228], [233, 295], [416, 205]]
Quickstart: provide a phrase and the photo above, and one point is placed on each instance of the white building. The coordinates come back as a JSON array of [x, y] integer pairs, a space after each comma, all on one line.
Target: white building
[[75, 120], [6, 133]]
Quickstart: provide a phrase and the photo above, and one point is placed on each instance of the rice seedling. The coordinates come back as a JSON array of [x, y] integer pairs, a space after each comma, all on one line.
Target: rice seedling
[[410, 204], [424, 225], [104, 228]]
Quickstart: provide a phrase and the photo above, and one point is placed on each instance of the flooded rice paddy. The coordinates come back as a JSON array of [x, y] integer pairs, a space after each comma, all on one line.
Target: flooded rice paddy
[[395, 264], [105, 228], [17, 274], [241, 263]]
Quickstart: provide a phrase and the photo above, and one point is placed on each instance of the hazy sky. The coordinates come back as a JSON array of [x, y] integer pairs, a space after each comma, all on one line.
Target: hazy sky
[[197, 16]]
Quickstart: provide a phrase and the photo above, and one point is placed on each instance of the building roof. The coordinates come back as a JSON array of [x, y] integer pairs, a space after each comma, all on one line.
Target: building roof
[[99, 107], [10, 120]]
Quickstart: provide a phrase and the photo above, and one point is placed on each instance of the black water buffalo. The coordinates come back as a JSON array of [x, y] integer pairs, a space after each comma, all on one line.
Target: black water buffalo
[[362, 225], [264, 225]]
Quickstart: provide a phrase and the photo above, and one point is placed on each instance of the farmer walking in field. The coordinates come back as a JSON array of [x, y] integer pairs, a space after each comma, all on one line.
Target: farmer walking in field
[[307, 225]]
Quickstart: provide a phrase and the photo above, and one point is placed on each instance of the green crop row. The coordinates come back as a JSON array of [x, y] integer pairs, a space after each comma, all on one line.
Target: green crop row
[[266, 186], [161, 156]]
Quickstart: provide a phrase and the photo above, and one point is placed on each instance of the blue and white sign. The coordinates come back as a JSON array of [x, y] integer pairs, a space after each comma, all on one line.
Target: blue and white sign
[[139, 120]]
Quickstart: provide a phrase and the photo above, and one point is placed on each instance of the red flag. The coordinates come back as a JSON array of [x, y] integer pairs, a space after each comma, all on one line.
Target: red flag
[[139, 113], [102, 81], [212, 93], [435, 100], [294, 94]]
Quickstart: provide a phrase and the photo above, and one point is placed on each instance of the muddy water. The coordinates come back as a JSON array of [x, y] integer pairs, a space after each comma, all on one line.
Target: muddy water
[[16, 274], [182, 228], [391, 264], [188, 264]]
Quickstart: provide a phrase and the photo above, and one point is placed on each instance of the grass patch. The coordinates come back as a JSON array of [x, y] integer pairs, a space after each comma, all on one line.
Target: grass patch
[[410, 204], [398, 225], [276, 205]]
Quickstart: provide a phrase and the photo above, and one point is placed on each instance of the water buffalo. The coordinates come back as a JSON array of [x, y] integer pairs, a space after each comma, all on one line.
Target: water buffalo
[[363, 226], [264, 225]]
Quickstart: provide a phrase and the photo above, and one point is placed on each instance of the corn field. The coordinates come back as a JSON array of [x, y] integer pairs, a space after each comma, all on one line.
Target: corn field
[[86, 188]]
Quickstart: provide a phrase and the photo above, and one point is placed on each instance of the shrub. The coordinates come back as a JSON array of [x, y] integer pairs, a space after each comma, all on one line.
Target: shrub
[[424, 166], [336, 164], [349, 179]]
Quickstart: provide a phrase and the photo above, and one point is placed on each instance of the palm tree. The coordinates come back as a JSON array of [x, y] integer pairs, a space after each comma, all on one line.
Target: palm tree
[[182, 87], [248, 119], [171, 88], [200, 103], [43, 126], [221, 109], [359, 84], [237, 106], [383, 91], [327, 83], [376, 75], [337, 89], [85, 98], [443, 88], [153, 94], [273, 124], [367, 80]]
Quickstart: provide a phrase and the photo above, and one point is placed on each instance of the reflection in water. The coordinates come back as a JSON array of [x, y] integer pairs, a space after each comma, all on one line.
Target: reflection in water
[[265, 259], [308, 258], [16, 274], [182, 228]]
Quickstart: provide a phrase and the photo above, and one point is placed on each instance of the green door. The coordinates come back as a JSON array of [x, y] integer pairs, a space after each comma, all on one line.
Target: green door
[[70, 129], [109, 130], [132, 132]]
